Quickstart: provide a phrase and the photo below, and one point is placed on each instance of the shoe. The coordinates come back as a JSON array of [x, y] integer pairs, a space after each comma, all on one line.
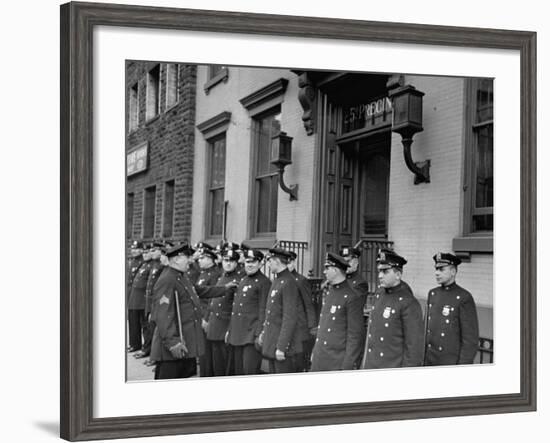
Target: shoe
[[149, 363], [133, 349], [141, 354]]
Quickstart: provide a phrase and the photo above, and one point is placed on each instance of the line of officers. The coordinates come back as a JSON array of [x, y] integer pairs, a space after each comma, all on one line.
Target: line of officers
[[227, 315]]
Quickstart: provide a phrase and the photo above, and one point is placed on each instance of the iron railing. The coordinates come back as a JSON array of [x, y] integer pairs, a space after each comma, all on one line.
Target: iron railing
[[367, 263]]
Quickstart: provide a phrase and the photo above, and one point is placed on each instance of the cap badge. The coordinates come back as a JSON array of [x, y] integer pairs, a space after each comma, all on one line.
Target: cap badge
[[387, 312], [438, 256], [383, 256]]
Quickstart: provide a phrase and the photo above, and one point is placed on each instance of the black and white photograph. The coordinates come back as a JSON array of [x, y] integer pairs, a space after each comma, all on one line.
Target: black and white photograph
[[293, 220]]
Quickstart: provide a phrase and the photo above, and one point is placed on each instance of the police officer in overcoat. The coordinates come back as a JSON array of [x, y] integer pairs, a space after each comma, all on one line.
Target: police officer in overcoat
[[178, 339], [219, 313], [280, 339], [248, 315], [134, 262], [210, 273], [358, 283], [340, 336], [395, 330], [137, 322], [452, 330], [155, 269], [307, 318]]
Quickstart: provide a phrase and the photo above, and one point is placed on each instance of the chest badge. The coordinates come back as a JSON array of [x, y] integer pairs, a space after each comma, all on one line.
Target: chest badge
[[200, 282], [446, 310], [274, 292], [387, 312], [245, 289], [332, 309], [164, 300]]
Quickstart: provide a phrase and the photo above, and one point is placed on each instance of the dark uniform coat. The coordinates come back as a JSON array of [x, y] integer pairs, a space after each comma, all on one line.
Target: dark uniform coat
[[306, 314], [280, 330], [167, 331], [341, 330], [452, 332], [395, 331], [193, 272], [139, 285], [359, 284], [207, 277], [220, 308], [248, 313], [133, 265], [155, 270]]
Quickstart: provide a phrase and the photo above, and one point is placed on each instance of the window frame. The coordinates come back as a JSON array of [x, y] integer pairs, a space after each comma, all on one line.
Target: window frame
[[133, 115], [167, 68], [268, 237], [472, 241], [171, 181], [143, 216], [213, 79], [210, 144], [148, 116]]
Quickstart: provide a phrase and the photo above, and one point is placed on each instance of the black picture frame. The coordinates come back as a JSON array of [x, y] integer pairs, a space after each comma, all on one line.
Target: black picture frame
[[77, 23]]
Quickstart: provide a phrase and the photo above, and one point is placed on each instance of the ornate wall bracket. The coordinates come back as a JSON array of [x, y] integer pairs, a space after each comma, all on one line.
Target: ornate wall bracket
[[306, 96]]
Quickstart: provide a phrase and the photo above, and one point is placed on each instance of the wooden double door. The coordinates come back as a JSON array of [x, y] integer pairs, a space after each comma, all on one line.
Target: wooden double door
[[355, 187]]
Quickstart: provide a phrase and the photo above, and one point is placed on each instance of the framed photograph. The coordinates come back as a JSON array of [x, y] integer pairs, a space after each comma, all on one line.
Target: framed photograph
[[351, 149]]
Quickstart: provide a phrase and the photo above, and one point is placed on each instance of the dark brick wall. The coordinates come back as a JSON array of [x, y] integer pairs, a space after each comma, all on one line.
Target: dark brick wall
[[171, 146]]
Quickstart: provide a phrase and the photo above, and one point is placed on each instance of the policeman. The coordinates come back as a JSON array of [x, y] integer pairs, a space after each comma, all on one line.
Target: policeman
[[177, 340], [210, 273], [134, 261], [395, 330], [452, 330], [280, 339], [341, 333], [136, 304], [248, 315], [358, 283], [307, 319], [219, 313], [155, 269]]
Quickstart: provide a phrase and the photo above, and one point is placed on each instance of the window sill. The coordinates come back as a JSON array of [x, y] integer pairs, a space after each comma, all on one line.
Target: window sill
[[223, 75], [260, 242], [473, 244], [152, 119]]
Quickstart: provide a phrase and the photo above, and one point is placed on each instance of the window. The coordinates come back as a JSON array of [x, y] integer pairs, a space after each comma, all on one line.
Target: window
[[482, 174], [133, 108], [149, 212], [478, 197], [215, 74], [168, 211], [216, 186], [172, 71], [266, 180], [153, 92], [129, 215]]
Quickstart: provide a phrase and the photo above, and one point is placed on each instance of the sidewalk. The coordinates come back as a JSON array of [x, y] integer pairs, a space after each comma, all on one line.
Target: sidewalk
[[136, 370]]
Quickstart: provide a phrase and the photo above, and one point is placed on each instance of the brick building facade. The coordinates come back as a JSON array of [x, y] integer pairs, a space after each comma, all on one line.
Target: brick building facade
[[160, 104]]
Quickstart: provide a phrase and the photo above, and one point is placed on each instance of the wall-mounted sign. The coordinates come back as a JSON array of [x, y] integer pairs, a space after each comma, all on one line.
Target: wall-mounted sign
[[373, 114], [136, 160]]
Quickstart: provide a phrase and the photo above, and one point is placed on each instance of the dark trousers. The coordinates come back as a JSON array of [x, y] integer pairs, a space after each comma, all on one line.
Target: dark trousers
[[136, 321], [246, 359], [219, 354], [285, 366], [184, 368], [148, 337], [205, 360]]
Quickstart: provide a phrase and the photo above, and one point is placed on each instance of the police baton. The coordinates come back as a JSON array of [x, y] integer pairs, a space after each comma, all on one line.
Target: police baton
[[364, 361], [179, 317]]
